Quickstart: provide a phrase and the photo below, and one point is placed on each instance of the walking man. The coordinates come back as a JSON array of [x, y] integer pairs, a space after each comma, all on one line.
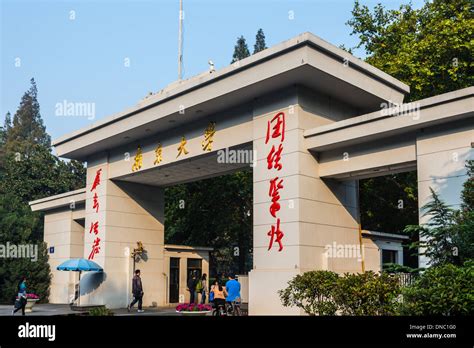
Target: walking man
[[20, 303], [137, 291]]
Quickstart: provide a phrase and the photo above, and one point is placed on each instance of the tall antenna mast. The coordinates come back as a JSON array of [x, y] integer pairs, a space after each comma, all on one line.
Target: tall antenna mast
[[180, 41]]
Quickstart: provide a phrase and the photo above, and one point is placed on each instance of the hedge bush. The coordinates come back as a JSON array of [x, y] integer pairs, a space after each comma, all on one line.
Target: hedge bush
[[367, 294], [313, 292], [326, 293], [441, 290]]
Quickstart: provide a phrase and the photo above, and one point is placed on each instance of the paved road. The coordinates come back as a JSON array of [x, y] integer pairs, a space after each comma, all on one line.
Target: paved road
[[62, 309]]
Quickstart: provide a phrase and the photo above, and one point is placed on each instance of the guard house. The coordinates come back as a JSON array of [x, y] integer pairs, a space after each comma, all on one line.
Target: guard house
[[389, 245], [180, 262], [315, 120]]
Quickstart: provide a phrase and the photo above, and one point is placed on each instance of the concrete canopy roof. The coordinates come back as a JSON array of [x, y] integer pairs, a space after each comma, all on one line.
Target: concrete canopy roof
[[384, 235], [175, 247], [305, 60], [58, 201], [443, 108]]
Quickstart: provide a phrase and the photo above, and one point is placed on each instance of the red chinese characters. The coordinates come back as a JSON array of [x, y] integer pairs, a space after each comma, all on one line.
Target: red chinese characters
[[95, 224], [273, 192], [274, 157], [278, 130], [94, 227], [95, 248], [96, 202], [275, 130], [276, 236], [96, 180]]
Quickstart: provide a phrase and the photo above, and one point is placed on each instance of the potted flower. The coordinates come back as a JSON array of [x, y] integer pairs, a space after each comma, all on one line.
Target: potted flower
[[193, 309], [31, 300]]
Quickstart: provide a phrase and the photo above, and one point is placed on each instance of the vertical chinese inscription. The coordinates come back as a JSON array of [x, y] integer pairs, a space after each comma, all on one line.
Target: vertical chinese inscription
[[94, 228], [275, 136]]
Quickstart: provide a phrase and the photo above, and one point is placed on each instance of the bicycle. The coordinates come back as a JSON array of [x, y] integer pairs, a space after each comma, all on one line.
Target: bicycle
[[219, 310], [233, 309]]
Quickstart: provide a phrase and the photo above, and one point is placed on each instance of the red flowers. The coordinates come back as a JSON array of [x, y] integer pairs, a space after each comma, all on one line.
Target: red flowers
[[31, 297], [192, 307]]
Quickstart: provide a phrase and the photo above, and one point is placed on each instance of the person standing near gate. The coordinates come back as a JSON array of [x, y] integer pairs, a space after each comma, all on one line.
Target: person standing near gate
[[203, 288], [192, 282], [137, 290]]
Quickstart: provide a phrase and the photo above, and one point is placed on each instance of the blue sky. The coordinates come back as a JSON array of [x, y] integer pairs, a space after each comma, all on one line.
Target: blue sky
[[81, 56]]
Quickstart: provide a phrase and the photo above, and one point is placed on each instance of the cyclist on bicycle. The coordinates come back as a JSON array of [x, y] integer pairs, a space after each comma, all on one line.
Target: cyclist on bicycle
[[233, 290], [218, 294]]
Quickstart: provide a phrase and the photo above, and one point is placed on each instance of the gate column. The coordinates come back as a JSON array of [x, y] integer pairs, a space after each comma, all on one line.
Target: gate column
[[118, 215], [312, 213]]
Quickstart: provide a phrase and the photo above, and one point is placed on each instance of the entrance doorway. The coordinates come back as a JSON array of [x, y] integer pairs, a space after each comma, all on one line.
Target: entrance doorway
[[194, 267], [214, 213], [174, 280]]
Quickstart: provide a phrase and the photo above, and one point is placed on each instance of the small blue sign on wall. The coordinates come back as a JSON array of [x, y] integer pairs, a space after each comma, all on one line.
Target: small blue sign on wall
[[51, 250]]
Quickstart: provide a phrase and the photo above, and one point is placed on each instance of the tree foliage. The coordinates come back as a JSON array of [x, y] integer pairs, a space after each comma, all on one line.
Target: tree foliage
[[389, 203], [448, 236], [29, 171], [27, 126], [241, 50], [441, 290], [259, 41], [430, 49]]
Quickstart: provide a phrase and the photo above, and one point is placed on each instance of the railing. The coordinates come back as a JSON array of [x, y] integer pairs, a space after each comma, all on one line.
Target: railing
[[405, 279]]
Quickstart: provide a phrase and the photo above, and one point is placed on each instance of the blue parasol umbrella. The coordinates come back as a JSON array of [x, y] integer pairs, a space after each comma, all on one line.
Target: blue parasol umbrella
[[79, 265]]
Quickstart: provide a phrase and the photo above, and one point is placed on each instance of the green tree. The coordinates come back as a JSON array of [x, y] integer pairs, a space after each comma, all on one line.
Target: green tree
[[448, 236], [29, 171], [430, 49], [441, 290], [259, 42], [8, 122], [241, 50], [467, 194], [19, 225], [3, 139], [396, 198], [464, 236], [27, 126], [436, 237]]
